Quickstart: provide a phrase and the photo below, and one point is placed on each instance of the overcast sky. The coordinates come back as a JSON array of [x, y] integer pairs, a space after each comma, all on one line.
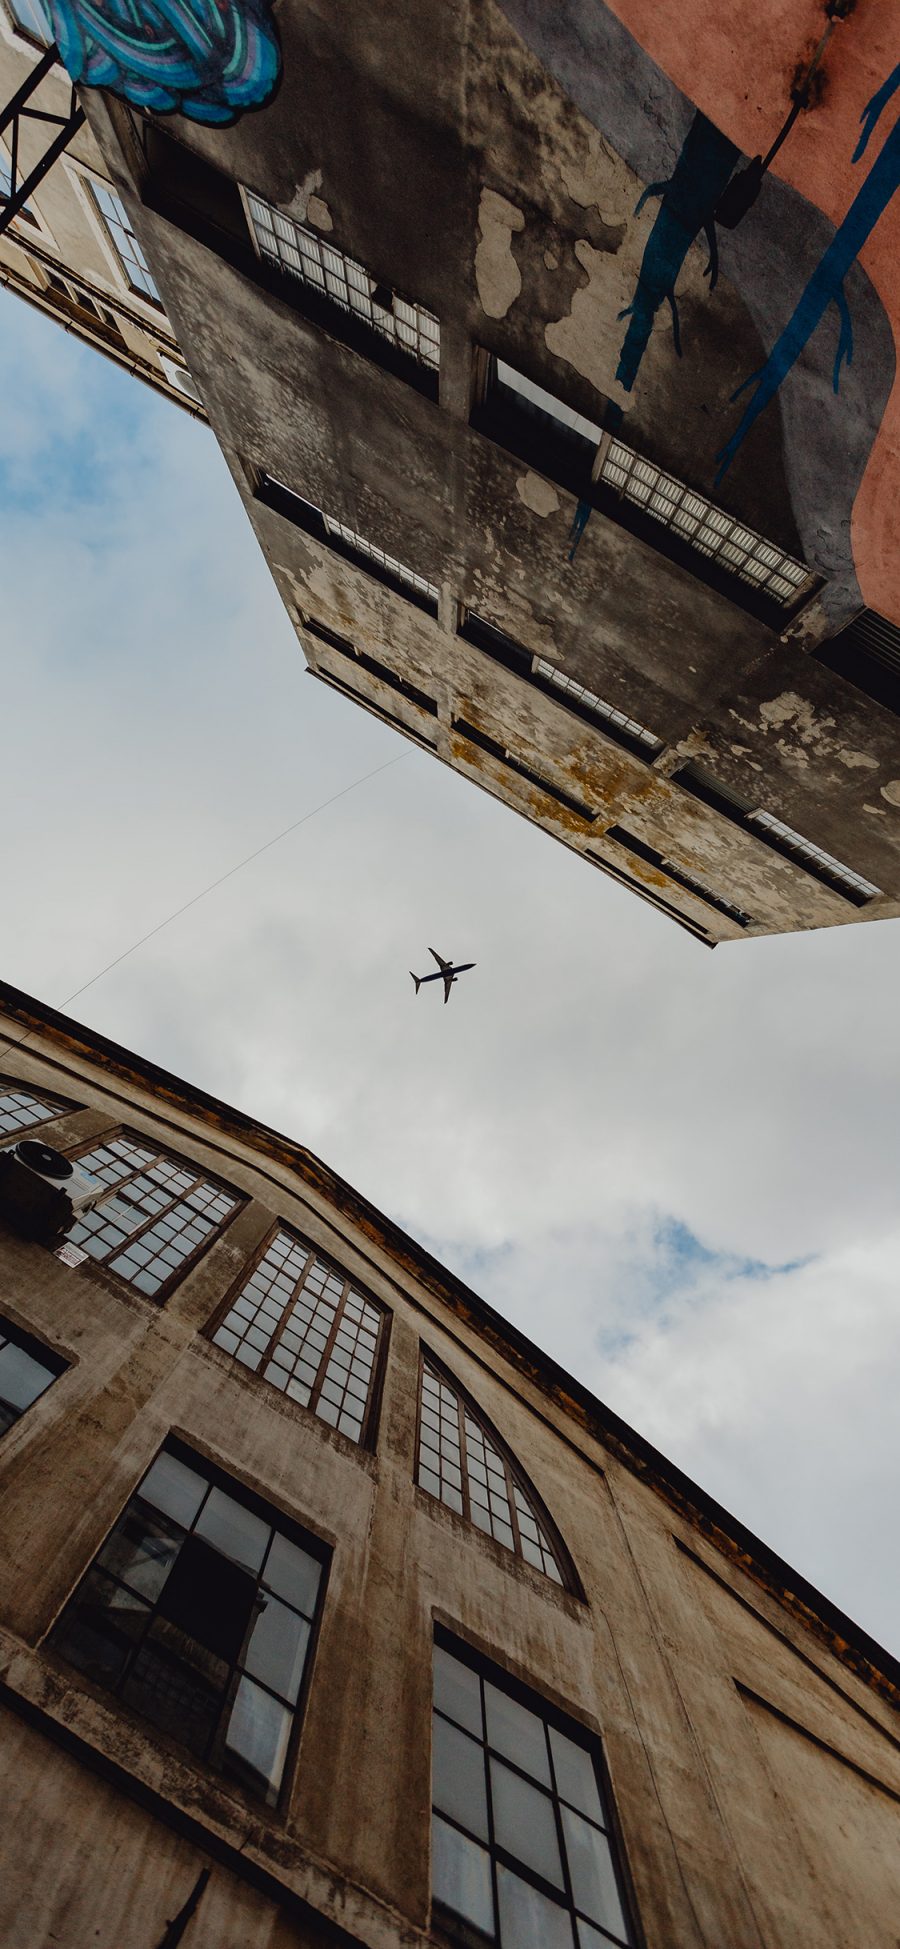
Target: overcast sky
[[676, 1170]]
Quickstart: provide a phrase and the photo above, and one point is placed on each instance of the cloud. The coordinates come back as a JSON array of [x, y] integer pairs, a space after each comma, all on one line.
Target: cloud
[[676, 1170]]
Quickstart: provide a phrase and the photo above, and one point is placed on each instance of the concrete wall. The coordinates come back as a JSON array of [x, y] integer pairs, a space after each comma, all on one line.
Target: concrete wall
[[754, 1758]]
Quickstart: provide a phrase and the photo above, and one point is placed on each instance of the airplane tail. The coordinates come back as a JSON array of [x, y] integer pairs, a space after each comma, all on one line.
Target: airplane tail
[[417, 979]]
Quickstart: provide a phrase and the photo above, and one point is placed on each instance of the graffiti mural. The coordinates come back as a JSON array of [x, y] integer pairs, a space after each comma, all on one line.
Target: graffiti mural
[[207, 59], [806, 290]]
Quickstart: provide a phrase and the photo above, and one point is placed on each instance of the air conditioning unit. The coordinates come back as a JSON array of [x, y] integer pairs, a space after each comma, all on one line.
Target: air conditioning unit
[[42, 1192]]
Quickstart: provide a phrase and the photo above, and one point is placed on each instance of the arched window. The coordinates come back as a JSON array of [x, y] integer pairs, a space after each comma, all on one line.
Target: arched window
[[463, 1463]]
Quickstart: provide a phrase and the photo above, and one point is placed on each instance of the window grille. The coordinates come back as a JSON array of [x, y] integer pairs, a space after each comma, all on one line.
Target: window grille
[[27, 1369], [730, 543], [397, 571], [321, 266], [681, 875], [523, 1848], [117, 224], [463, 1464], [199, 1613], [302, 1325], [615, 720], [782, 838], [21, 1109], [160, 1214]]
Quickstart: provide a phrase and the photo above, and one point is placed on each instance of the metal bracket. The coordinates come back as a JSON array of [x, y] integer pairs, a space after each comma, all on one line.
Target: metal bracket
[[18, 110]]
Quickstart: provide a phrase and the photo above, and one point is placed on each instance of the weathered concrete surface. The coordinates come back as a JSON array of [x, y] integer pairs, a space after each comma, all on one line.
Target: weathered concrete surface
[[745, 1724]]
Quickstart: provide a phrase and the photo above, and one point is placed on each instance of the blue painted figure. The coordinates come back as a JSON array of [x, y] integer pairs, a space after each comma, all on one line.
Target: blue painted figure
[[826, 286], [688, 200], [208, 59]]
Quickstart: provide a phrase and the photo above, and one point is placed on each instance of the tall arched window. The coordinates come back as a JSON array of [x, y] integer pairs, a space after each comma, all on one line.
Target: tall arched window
[[463, 1462]]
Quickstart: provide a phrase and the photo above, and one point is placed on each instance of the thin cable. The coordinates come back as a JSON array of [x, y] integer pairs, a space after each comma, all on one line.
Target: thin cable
[[11, 1042]]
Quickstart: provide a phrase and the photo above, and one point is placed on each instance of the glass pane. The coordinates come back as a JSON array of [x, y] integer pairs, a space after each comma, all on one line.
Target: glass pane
[[233, 1529], [171, 1486], [293, 1573], [461, 1876], [277, 1649], [576, 1778], [458, 1766], [525, 1824], [22, 1378], [589, 1938], [518, 1733], [528, 1920], [141, 1550], [593, 1876], [100, 1628], [457, 1690], [257, 1739]]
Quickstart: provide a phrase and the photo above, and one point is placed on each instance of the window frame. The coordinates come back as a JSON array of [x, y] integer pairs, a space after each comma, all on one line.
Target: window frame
[[132, 1136], [39, 1350], [89, 184], [456, 1929], [26, 1086], [282, 1522], [570, 1583], [368, 1434], [327, 530]]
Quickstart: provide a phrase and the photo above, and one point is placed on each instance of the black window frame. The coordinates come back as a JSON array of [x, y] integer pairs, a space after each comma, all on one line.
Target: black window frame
[[294, 507], [372, 664], [500, 752], [38, 1350], [456, 1929], [681, 876], [281, 1523], [505, 650]]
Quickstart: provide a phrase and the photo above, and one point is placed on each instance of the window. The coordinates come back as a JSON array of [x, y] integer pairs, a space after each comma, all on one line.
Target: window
[[27, 1369], [329, 271], [26, 214], [198, 1613], [463, 1463], [523, 1850], [31, 20], [305, 1327], [336, 534], [617, 724], [782, 839], [21, 1109], [117, 224], [79, 304], [565, 690], [867, 654], [497, 750], [652, 897], [666, 512], [680, 874], [729, 543], [402, 685], [159, 1216]]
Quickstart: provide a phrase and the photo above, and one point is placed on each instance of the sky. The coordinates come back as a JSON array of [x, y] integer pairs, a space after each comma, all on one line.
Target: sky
[[675, 1170]]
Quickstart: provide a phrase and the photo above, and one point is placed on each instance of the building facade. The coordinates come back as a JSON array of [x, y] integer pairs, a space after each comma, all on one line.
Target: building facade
[[567, 431], [72, 252], [334, 1613]]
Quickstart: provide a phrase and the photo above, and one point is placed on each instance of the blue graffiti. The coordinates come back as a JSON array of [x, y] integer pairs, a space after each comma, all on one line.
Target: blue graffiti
[[689, 198], [826, 286], [208, 59]]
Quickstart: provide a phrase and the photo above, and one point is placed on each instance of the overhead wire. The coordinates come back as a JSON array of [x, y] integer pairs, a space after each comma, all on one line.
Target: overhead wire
[[15, 1042]]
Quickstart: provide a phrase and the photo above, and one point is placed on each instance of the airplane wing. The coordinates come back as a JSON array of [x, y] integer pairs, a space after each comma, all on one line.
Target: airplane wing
[[439, 959], [448, 984]]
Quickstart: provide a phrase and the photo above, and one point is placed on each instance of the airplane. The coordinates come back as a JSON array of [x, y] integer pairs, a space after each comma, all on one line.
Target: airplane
[[447, 973]]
